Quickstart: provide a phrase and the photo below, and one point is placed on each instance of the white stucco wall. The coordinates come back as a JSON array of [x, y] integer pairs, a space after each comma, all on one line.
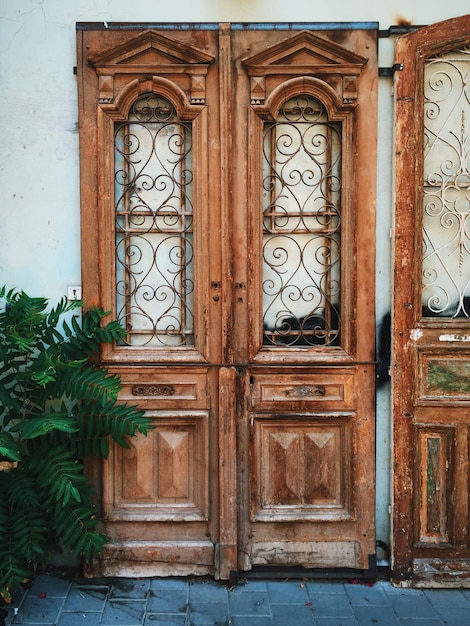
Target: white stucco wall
[[39, 185]]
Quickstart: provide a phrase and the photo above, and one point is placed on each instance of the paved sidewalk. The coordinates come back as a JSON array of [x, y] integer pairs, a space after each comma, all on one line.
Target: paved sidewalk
[[56, 601]]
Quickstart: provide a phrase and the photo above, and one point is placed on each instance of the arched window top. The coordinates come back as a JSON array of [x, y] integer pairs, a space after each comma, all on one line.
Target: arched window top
[[152, 107], [155, 87], [306, 87], [302, 108]]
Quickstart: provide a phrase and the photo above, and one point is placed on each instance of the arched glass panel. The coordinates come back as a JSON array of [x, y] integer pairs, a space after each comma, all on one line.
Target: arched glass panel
[[301, 226], [154, 225], [446, 214]]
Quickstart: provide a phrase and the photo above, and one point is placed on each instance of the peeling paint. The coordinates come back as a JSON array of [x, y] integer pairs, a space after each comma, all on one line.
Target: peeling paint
[[461, 338], [415, 334]]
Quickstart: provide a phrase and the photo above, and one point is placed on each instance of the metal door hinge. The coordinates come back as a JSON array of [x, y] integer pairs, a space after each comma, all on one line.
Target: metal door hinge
[[390, 71]]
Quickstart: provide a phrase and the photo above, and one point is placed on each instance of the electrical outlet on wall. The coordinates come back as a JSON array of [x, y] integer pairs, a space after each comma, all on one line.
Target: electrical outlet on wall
[[74, 292]]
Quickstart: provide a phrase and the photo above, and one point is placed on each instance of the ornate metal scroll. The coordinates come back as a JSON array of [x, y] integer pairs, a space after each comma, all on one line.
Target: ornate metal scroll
[[154, 225], [446, 221], [301, 226]]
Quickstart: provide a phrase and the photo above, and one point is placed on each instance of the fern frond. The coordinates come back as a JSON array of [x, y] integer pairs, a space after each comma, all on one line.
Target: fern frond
[[9, 447], [74, 526], [38, 426], [117, 421], [88, 383], [19, 488], [22, 535], [29, 531], [60, 476]]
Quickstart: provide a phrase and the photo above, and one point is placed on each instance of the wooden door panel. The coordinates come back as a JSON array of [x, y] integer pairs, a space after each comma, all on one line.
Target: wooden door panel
[[431, 358], [164, 389], [328, 389], [443, 376], [308, 415], [307, 554], [435, 466], [301, 468], [151, 98], [163, 476]]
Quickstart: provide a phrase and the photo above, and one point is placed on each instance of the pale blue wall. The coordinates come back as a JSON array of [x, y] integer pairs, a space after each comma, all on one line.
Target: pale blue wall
[[39, 185]]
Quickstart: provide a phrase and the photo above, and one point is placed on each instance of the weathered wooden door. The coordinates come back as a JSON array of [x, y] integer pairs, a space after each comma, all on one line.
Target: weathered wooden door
[[228, 202], [431, 351]]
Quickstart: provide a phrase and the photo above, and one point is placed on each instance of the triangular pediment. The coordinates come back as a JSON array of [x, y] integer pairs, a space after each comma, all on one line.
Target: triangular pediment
[[303, 49], [150, 48]]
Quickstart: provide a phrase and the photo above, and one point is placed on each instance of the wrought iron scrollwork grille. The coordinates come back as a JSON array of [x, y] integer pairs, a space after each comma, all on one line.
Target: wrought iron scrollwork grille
[[154, 225], [446, 214], [301, 226]]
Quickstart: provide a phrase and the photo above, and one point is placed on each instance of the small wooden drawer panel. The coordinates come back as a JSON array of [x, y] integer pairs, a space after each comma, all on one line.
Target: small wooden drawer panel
[[164, 389], [303, 391]]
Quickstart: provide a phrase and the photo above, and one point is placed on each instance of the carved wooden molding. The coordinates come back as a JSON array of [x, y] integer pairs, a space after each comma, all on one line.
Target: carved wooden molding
[[306, 54], [150, 53], [153, 390]]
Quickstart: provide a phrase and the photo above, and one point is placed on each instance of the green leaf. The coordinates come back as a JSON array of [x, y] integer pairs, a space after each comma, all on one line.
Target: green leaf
[[39, 426], [9, 447]]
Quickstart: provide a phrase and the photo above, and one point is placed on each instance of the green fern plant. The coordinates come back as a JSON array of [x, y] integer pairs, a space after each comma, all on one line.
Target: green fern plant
[[56, 408]]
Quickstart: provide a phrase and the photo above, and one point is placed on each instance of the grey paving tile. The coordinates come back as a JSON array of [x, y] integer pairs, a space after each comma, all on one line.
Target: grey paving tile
[[165, 620], [330, 605], [28, 623], [421, 621], [129, 588], [35, 610], [447, 597], [204, 591], [249, 603], [287, 592], [325, 587], [401, 591], [382, 615], [124, 612], [337, 621], [412, 606], [251, 621], [158, 584], [79, 617], [250, 585], [454, 616], [52, 586], [298, 614], [368, 596], [91, 597], [206, 614], [168, 600]]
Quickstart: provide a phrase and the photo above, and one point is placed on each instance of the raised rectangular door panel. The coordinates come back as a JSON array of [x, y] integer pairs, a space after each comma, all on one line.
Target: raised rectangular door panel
[[163, 476], [303, 468]]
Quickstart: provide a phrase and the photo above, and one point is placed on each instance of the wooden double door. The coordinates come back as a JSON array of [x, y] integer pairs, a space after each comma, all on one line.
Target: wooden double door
[[228, 222]]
